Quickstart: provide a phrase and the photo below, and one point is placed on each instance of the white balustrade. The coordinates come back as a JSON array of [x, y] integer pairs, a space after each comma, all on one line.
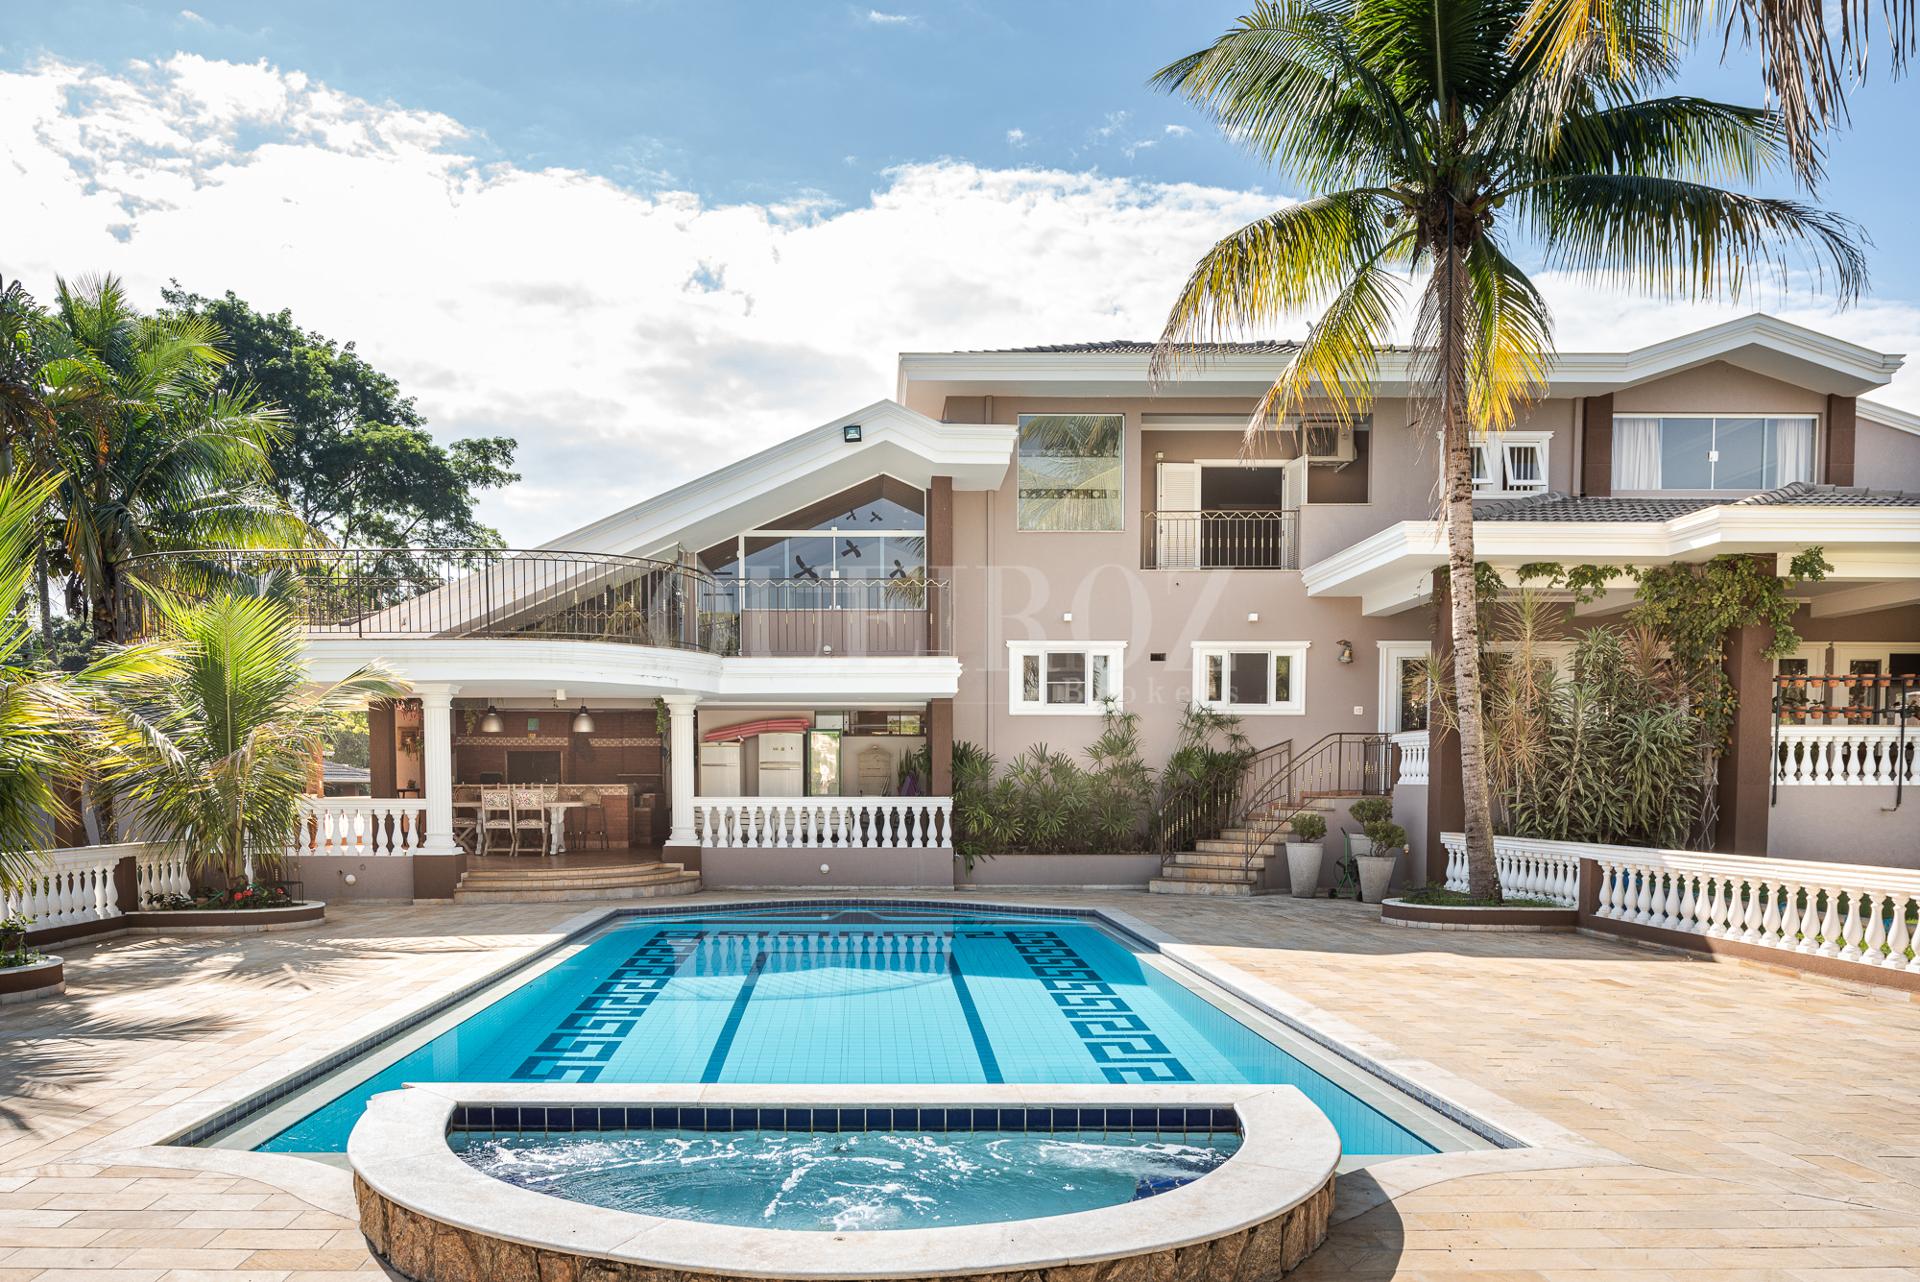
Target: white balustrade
[[359, 826], [1528, 869], [1846, 755], [158, 871], [1853, 912], [1413, 757], [69, 886], [920, 823]]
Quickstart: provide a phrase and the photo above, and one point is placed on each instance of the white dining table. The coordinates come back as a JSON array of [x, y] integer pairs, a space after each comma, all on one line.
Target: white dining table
[[557, 825]]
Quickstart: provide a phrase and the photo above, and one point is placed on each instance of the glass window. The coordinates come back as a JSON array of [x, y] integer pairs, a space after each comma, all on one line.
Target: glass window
[[1249, 679], [1070, 472], [1074, 679], [1514, 463], [1413, 703], [1711, 452]]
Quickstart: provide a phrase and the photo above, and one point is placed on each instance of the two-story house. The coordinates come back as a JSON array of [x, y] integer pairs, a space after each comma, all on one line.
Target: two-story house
[[763, 672]]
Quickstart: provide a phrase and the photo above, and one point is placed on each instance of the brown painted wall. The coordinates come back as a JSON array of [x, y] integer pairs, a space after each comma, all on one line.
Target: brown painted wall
[[1838, 455], [1885, 458], [1596, 446]]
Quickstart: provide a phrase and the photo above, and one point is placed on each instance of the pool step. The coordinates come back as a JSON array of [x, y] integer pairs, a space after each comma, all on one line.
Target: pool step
[[1175, 885], [553, 885]]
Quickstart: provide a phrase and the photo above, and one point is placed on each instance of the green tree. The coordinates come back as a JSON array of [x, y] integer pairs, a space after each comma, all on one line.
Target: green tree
[[217, 742], [355, 461], [152, 453], [1434, 132]]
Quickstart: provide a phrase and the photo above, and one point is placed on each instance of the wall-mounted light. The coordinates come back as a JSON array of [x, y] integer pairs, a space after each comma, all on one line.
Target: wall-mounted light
[[583, 721], [1066, 616], [1253, 616], [850, 433], [491, 722], [1346, 652]]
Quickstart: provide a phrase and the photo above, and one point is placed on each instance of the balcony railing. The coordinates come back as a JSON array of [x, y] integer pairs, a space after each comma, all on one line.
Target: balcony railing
[[1221, 540], [396, 593]]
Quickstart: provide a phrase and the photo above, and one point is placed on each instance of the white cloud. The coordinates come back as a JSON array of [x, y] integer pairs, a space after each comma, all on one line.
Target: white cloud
[[1178, 131], [1016, 138], [629, 341], [190, 16], [881, 19]]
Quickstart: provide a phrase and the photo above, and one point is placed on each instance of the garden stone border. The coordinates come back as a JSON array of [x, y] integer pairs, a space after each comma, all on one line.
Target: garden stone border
[[1400, 912], [226, 921], [44, 978]]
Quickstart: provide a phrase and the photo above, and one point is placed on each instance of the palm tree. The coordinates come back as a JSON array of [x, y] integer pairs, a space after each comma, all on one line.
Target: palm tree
[[1434, 134], [38, 710], [153, 454], [216, 744], [1805, 70]]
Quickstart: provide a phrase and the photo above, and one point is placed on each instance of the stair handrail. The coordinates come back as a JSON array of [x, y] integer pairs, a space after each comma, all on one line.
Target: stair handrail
[[1337, 749]]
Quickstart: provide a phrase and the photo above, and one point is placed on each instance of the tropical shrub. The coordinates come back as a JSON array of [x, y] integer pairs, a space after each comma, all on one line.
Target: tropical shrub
[[1387, 836], [216, 741], [1045, 802], [1200, 788], [1371, 810]]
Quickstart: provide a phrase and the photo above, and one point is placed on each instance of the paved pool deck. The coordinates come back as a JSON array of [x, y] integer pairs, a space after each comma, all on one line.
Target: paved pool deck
[[1771, 1123]]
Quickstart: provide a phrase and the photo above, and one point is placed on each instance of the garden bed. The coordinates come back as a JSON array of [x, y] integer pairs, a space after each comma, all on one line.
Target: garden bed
[[227, 921], [1432, 909], [30, 981]]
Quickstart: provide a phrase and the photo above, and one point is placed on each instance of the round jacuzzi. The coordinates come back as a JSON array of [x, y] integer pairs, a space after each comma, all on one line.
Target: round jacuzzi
[[629, 1184]]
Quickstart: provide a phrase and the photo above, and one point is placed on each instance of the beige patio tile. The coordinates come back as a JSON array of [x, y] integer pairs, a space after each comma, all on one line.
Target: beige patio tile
[[1757, 1161]]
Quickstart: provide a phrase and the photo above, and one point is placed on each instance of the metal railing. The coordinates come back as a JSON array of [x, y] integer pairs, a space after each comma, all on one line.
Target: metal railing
[[1221, 540], [495, 593], [1341, 764]]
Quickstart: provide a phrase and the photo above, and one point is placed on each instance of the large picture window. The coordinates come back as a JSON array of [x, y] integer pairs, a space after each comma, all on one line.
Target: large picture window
[[1070, 472], [1711, 452], [1063, 678], [1251, 679]]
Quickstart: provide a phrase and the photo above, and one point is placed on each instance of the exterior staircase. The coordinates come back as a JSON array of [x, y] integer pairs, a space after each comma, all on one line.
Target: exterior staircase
[[536, 883], [1235, 862]]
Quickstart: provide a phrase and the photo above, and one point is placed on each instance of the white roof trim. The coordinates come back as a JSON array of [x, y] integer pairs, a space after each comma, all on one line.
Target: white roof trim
[[1888, 416], [1393, 570], [800, 470], [1759, 342]]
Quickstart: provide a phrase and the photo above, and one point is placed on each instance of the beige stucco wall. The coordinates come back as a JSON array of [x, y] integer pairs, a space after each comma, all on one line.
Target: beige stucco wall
[[1718, 388], [1885, 458]]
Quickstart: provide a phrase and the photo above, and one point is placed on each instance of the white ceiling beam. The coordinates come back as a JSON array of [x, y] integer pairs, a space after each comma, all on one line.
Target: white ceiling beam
[[1865, 598]]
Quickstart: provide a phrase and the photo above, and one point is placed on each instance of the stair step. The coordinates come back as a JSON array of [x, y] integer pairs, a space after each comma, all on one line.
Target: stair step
[[1230, 846], [684, 883], [570, 875], [1201, 872], [1219, 859], [1169, 886]]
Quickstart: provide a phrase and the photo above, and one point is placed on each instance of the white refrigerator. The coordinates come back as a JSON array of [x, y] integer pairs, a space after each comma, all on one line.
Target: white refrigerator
[[783, 761]]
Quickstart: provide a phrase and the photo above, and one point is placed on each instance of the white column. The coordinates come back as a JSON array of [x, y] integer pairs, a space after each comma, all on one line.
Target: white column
[[680, 744], [436, 748]]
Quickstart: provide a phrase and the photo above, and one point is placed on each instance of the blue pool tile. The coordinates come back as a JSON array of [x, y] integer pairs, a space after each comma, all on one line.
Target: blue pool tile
[[1013, 1119], [878, 1119], [852, 1119], [933, 1119], [506, 1119]]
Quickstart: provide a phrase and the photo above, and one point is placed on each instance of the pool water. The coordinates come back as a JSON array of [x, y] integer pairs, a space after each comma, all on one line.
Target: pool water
[[852, 1180], [852, 995]]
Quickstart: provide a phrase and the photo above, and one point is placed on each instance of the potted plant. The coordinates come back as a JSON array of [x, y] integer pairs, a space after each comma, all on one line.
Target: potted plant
[[1306, 851], [1367, 812], [1385, 839]]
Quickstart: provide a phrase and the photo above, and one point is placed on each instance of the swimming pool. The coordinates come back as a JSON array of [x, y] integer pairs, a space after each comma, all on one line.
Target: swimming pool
[[850, 995]]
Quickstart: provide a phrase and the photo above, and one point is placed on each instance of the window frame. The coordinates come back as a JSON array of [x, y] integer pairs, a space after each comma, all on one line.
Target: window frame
[[1019, 651], [1495, 450], [1295, 651], [1392, 655], [1816, 417], [1120, 464]]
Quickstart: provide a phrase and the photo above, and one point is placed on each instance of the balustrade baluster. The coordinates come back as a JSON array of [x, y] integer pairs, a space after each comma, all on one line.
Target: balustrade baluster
[[1850, 928], [1896, 958], [1807, 925], [1875, 937]]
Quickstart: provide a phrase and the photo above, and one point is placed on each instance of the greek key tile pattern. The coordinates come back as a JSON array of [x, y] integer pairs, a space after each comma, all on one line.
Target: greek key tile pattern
[[1119, 1040], [580, 1046]]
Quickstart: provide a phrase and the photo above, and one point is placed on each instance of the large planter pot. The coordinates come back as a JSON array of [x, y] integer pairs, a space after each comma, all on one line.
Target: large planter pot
[[1376, 874], [1304, 861], [44, 978]]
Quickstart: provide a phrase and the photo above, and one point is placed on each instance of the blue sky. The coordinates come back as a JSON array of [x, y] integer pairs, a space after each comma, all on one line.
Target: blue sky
[[799, 189]]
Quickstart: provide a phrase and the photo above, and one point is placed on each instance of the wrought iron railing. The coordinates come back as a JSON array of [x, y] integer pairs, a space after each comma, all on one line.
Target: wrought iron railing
[[1855, 699], [1221, 540], [382, 593], [1341, 764], [1201, 809]]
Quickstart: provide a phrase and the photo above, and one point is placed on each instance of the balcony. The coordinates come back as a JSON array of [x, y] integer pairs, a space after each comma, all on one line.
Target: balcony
[[543, 595], [1226, 539]]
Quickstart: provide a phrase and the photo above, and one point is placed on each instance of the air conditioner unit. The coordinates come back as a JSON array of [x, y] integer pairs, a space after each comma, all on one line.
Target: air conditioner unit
[[1326, 441]]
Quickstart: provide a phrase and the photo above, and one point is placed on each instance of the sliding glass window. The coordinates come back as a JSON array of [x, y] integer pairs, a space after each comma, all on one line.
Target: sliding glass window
[[1711, 452]]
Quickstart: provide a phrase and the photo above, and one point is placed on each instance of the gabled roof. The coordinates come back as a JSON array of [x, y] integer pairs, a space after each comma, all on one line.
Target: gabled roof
[[1758, 342], [803, 469], [1555, 506]]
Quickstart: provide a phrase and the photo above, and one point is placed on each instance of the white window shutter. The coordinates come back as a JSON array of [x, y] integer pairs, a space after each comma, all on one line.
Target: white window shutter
[[1177, 538]]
